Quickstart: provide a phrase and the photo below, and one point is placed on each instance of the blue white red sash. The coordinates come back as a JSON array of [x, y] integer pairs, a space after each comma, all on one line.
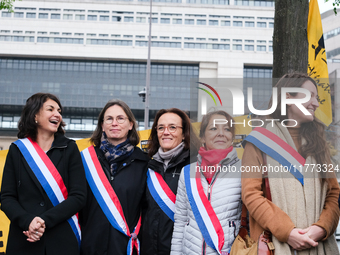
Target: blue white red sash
[[48, 176], [107, 198], [161, 193], [278, 149], [205, 215]]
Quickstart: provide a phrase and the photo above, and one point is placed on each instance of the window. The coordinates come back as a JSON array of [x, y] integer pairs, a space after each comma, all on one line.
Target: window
[[91, 17], [154, 20], [54, 33], [225, 23], [200, 39], [25, 8], [17, 32], [127, 36], [176, 21], [91, 35], [164, 37], [237, 23], [68, 34], [249, 24], [271, 24], [165, 20], [29, 32], [140, 36], [104, 18], [78, 34], [123, 12], [128, 19], [140, 20], [6, 14], [189, 21], [249, 47], [201, 22], [30, 15], [261, 48], [43, 16], [116, 36], [270, 48], [225, 40], [68, 16], [73, 10], [5, 31], [189, 38], [261, 24], [237, 46], [103, 35], [249, 41], [42, 33], [213, 39], [55, 16], [176, 38], [261, 41], [80, 17], [18, 15], [213, 22], [49, 9], [116, 18]]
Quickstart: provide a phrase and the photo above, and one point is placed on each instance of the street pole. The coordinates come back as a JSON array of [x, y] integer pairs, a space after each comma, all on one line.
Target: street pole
[[148, 70]]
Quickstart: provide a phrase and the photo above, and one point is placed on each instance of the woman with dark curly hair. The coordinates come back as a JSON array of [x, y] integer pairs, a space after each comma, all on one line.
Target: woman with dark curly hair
[[169, 147], [43, 184]]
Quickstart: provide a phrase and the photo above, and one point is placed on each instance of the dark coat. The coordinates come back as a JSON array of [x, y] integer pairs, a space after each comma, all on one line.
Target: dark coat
[[23, 198], [98, 235], [157, 227]]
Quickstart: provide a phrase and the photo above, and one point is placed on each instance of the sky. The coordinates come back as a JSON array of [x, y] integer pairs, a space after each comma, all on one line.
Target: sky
[[325, 6]]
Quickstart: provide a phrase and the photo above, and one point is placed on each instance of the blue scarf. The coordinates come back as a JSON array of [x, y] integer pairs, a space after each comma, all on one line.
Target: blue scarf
[[115, 154]]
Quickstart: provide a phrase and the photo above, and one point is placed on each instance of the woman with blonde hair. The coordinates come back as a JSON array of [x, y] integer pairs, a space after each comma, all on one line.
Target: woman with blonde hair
[[208, 202]]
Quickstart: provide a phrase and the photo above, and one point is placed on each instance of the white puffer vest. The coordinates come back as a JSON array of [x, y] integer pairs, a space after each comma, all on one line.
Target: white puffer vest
[[225, 198]]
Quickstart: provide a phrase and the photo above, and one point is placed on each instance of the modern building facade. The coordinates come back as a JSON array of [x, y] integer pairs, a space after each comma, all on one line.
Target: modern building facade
[[88, 52]]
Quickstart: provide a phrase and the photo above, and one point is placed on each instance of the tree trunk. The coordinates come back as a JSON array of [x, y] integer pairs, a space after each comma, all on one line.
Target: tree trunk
[[290, 45]]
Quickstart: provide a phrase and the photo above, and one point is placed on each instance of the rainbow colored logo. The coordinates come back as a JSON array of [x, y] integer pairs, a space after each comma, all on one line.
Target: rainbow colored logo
[[209, 93]]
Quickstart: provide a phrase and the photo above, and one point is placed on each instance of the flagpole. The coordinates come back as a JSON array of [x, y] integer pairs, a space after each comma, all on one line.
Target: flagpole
[[148, 69]]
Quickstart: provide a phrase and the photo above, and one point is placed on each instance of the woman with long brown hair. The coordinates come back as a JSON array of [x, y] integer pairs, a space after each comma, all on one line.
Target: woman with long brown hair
[[171, 144], [116, 174], [303, 213]]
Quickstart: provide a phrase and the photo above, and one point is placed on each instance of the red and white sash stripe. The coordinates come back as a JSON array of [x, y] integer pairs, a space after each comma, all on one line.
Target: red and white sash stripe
[[107, 198], [48, 176]]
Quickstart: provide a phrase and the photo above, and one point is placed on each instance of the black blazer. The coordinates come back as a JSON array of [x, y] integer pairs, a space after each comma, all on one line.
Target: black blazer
[[99, 237], [23, 198]]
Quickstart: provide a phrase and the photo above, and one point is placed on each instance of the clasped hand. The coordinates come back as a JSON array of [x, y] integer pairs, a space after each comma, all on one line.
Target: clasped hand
[[300, 239], [35, 230]]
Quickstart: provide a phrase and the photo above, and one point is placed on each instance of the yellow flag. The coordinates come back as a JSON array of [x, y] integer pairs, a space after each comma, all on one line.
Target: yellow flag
[[317, 62]]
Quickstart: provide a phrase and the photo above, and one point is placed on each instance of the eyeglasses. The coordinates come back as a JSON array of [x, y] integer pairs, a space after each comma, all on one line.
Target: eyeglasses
[[119, 119], [171, 128]]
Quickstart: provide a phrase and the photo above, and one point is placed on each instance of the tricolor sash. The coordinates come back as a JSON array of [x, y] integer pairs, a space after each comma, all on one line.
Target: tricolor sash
[[161, 193], [278, 149], [107, 198], [205, 215], [48, 176]]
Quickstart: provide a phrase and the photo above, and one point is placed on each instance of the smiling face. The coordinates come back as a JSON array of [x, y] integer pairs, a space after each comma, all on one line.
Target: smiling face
[[48, 118], [219, 136], [293, 112], [116, 132], [166, 139]]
